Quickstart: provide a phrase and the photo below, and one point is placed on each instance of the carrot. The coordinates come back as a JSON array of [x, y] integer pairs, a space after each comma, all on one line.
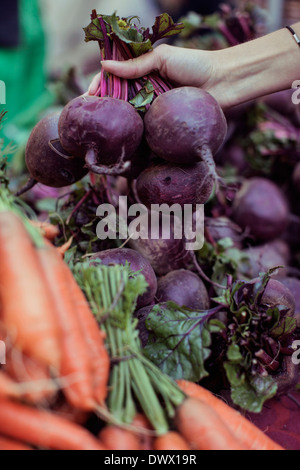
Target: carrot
[[8, 387], [43, 429], [94, 337], [203, 428], [26, 305], [172, 440], [9, 444], [117, 438], [145, 436], [49, 231], [65, 410], [75, 362], [33, 379], [64, 248], [246, 432]]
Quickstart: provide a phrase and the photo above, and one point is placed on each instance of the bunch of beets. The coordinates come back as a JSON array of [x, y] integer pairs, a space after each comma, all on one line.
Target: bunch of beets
[[166, 140]]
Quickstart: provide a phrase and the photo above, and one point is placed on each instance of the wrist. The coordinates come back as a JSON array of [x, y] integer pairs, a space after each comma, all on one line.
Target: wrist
[[251, 70]]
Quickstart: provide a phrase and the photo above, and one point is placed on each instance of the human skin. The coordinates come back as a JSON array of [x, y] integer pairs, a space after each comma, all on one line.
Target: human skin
[[233, 76]]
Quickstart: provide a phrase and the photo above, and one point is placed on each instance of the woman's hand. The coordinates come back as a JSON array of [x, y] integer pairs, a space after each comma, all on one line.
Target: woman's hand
[[233, 76], [180, 66]]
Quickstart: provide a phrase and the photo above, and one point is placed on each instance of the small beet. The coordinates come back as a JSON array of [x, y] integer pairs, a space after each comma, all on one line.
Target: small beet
[[168, 183], [186, 125], [276, 294], [264, 257], [166, 251], [261, 207], [222, 227], [137, 263], [47, 162], [106, 132], [293, 284], [184, 288]]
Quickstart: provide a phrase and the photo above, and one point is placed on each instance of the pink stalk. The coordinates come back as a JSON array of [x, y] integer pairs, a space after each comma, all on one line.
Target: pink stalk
[[230, 38], [244, 25]]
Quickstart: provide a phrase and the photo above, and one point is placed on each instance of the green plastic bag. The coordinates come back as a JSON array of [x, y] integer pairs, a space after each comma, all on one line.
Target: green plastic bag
[[23, 70]]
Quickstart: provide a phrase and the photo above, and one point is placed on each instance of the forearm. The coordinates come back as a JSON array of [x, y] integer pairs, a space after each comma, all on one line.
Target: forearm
[[256, 68]]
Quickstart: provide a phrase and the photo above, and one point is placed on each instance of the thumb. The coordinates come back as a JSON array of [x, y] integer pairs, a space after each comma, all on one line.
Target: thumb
[[133, 68]]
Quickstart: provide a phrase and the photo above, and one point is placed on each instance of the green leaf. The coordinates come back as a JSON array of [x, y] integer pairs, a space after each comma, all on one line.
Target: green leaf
[[130, 35], [164, 27], [284, 328], [144, 97], [234, 354], [249, 393], [93, 31], [179, 341], [225, 243]]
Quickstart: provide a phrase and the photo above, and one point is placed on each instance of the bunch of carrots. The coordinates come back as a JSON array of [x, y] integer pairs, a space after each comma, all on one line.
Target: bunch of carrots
[[57, 365]]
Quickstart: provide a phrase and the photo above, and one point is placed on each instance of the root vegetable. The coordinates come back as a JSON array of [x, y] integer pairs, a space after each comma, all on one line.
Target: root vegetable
[[105, 132], [47, 162], [186, 125]]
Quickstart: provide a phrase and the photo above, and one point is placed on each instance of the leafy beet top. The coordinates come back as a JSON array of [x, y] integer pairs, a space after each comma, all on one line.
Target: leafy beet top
[[123, 39], [247, 338]]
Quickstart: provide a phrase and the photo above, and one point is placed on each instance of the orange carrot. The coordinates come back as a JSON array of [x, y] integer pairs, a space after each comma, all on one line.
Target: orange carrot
[[26, 306], [94, 337], [247, 433], [75, 365], [10, 444], [117, 438], [146, 438], [203, 428], [49, 231], [8, 387], [65, 410], [65, 247], [172, 440], [32, 378], [43, 429]]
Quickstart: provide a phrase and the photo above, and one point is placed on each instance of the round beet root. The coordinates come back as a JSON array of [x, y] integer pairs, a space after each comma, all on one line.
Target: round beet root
[[173, 184], [276, 293], [184, 288], [186, 125], [165, 250], [106, 132], [47, 162], [261, 207], [293, 284], [222, 227], [264, 257], [137, 263]]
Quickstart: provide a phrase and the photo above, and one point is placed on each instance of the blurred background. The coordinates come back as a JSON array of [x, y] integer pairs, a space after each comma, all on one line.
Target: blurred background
[[44, 60]]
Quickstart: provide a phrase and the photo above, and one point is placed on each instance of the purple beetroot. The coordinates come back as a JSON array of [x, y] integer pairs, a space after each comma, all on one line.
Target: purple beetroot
[[137, 263], [184, 288], [169, 183], [261, 207], [105, 132], [47, 162], [186, 125]]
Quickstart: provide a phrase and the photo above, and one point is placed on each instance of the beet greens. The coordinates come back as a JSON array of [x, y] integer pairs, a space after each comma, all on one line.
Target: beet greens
[[253, 329], [121, 39]]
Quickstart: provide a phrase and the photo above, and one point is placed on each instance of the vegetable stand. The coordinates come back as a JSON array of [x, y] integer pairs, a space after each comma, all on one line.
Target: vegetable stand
[[116, 341]]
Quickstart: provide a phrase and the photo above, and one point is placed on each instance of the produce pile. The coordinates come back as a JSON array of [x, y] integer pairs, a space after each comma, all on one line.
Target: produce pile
[[124, 343]]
